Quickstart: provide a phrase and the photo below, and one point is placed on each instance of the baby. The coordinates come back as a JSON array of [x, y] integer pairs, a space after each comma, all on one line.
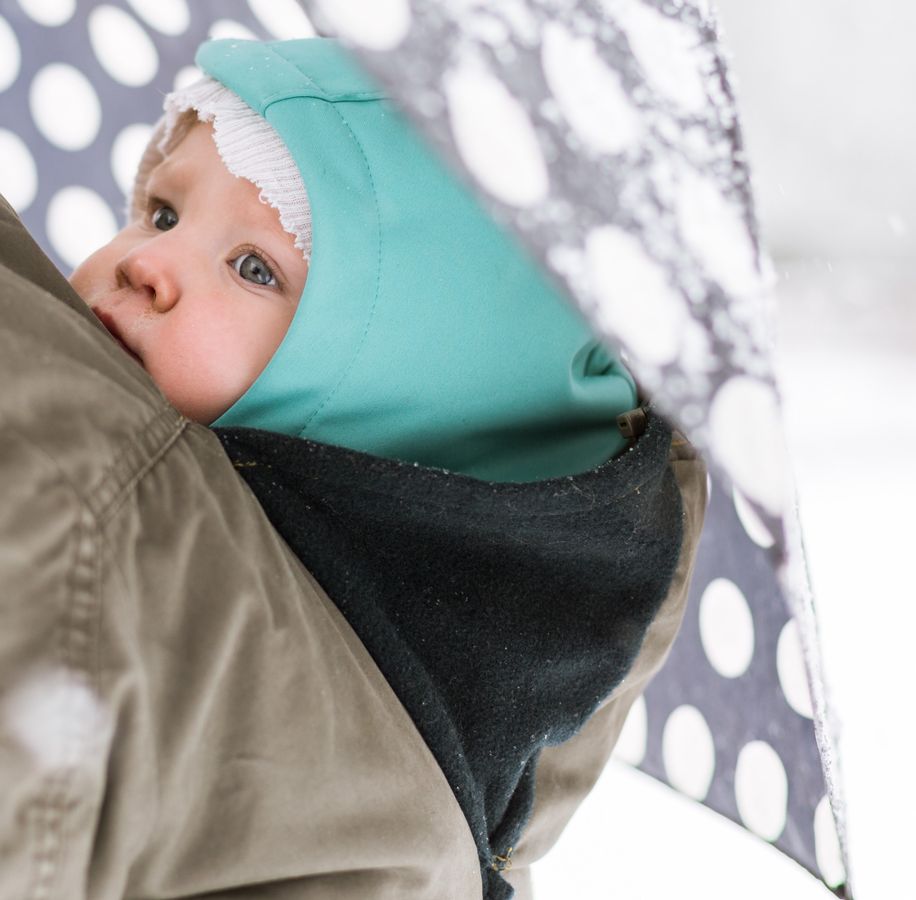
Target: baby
[[420, 333]]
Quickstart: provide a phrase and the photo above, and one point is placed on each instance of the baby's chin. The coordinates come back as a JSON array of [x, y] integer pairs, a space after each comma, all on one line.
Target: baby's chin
[[200, 406]]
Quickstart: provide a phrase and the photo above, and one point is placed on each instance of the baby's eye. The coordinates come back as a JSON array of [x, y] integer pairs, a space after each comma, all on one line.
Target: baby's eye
[[164, 218], [252, 268]]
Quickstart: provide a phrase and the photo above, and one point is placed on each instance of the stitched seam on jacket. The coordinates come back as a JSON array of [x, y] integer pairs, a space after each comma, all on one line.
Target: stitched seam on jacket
[[73, 647], [77, 632], [74, 650], [142, 453]]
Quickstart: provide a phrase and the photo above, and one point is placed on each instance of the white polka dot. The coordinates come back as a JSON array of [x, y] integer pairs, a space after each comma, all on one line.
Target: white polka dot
[[696, 349], [168, 16], [716, 232], [636, 303], [747, 437], [222, 29], [688, 752], [122, 47], [668, 52], [827, 845], [49, 12], [487, 28], [753, 525], [494, 135], [589, 93], [126, 151], [726, 628], [9, 55], [186, 76], [58, 719], [284, 19], [18, 175], [380, 25], [65, 107], [631, 745], [79, 222], [790, 665], [761, 790]]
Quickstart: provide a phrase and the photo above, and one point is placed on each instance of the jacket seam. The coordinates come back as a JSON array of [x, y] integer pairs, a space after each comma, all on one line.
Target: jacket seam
[[76, 641], [149, 446]]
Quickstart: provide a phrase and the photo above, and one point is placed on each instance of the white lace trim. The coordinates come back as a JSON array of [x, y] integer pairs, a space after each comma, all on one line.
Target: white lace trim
[[248, 145]]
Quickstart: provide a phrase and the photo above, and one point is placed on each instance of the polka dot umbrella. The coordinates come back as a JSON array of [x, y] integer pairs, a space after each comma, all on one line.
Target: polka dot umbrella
[[604, 135]]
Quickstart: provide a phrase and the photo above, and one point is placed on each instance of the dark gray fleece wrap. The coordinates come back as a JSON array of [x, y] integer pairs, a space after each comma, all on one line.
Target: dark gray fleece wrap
[[501, 614]]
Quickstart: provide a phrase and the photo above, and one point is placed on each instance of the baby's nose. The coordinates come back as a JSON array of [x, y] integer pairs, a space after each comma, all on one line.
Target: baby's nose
[[153, 273]]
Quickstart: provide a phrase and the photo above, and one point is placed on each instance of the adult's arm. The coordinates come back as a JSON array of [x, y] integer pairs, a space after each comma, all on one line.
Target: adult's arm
[[182, 709]]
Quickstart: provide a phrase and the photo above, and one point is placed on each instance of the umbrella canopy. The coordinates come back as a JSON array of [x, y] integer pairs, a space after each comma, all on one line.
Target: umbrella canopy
[[604, 136]]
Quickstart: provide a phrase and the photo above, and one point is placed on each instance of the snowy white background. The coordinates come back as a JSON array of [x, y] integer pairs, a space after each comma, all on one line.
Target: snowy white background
[[825, 90]]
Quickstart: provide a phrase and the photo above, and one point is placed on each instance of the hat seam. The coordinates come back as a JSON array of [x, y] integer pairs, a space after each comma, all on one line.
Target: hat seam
[[331, 97], [378, 275], [280, 96]]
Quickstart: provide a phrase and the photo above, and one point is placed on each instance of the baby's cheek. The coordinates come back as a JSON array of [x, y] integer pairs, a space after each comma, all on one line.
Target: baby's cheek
[[229, 370], [194, 400], [260, 343], [184, 379], [96, 273], [82, 277], [208, 364]]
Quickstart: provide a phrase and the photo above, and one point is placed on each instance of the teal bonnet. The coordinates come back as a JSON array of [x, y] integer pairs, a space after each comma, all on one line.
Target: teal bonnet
[[424, 332]]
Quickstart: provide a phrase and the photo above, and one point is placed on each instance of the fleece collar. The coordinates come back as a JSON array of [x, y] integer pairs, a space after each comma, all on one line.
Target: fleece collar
[[500, 614]]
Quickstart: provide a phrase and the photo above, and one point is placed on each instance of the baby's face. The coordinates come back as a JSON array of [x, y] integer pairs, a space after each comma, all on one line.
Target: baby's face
[[202, 289]]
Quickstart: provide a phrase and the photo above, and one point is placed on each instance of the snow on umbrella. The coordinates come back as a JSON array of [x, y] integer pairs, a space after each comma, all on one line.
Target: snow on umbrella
[[604, 135]]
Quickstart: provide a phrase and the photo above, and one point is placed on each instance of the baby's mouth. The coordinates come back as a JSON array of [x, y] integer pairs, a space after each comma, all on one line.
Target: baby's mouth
[[114, 331]]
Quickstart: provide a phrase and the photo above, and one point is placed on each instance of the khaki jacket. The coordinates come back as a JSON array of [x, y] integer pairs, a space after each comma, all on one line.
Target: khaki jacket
[[183, 711]]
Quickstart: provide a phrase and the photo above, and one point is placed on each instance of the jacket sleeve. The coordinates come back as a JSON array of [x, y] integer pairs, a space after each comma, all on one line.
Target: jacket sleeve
[[183, 710], [567, 772]]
